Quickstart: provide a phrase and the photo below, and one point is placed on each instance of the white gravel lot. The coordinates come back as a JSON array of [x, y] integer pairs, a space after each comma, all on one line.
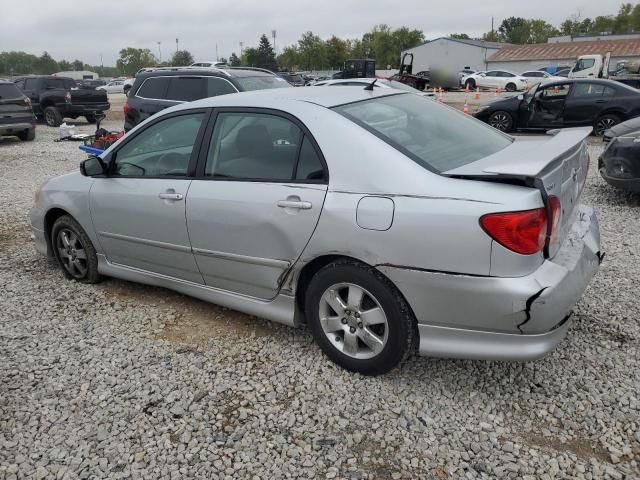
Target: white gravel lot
[[119, 380]]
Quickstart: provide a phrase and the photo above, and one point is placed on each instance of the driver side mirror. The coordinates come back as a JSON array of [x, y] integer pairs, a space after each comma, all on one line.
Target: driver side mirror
[[92, 166]]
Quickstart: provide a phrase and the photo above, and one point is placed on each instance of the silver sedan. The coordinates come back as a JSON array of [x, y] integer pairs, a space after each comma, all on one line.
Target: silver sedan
[[383, 221]]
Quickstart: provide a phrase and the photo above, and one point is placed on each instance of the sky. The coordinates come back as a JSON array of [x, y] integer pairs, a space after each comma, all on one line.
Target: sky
[[87, 30]]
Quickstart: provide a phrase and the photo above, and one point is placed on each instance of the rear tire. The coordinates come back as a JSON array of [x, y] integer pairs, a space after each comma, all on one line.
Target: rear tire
[[27, 135], [511, 87], [52, 117], [604, 123], [90, 118], [501, 120], [74, 251], [359, 319]]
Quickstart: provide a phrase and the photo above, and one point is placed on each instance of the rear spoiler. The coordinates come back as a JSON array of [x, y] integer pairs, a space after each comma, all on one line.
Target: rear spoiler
[[526, 156]]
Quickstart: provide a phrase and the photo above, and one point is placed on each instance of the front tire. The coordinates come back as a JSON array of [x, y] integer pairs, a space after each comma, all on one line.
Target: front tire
[[511, 87], [90, 118], [74, 251], [27, 135], [604, 123], [52, 117], [501, 120], [359, 319]]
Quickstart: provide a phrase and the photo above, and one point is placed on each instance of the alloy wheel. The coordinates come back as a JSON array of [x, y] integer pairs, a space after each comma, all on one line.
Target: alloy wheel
[[604, 124], [49, 118], [353, 320], [72, 253], [500, 121]]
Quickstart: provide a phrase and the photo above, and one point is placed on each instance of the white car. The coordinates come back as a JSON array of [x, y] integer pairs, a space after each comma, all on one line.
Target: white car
[[539, 76], [208, 64], [114, 86], [497, 79]]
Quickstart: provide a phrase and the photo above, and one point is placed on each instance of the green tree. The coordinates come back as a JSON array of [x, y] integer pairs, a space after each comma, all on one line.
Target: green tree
[[250, 57], [181, 58], [267, 55], [234, 61], [65, 65], [336, 51], [311, 52], [634, 18], [288, 59], [460, 36], [540, 31], [404, 38], [77, 65], [133, 59], [46, 64], [622, 21], [603, 24], [14, 63], [492, 36], [515, 30], [224, 60]]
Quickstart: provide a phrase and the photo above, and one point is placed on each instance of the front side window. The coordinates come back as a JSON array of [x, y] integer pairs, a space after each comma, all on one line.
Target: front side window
[[155, 88], [584, 63], [554, 92], [437, 138], [162, 149], [31, 84], [9, 90], [257, 146]]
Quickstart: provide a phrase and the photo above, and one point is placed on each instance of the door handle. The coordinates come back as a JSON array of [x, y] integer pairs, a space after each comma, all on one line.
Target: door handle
[[171, 196], [601, 101], [300, 205]]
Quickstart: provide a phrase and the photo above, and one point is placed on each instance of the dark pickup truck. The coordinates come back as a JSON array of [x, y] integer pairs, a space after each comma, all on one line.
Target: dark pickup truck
[[56, 98]]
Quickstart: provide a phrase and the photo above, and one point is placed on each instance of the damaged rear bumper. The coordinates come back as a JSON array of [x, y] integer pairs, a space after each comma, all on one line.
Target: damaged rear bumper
[[500, 318]]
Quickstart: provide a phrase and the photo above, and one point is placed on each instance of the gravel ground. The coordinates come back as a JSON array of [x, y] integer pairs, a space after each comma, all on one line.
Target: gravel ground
[[120, 380]]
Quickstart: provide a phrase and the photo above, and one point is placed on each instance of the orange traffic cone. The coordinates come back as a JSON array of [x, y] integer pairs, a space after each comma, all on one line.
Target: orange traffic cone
[[465, 110], [499, 91], [477, 95]]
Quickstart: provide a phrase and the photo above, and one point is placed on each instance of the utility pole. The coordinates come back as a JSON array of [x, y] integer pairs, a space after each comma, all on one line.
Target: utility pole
[[101, 66], [241, 45], [492, 27], [217, 58], [177, 46], [160, 51], [273, 34]]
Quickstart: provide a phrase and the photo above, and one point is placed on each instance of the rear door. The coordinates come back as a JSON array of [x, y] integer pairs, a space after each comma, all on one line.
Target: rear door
[[586, 102], [256, 200]]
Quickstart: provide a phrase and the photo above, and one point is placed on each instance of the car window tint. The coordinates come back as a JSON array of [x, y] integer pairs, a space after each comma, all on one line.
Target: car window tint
[[253, 146], [153, 88], [9, 90], [31, 84], [187, 89], [53, 83], [588, 90], [218, 86], [609, 92], [491, 74], [437, 138], [554, 91], [309, 163], [162, 149]]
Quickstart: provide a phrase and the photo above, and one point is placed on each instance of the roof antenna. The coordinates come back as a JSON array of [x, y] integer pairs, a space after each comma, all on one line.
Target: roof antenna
[[370, 86]]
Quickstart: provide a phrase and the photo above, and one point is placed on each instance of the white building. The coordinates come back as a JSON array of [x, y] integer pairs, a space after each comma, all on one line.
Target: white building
[[78, 75], [520, 58], [452, 54]]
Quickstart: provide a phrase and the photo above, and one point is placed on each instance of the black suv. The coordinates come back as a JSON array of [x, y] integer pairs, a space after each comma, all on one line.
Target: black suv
[[156, 90], [16, 115]]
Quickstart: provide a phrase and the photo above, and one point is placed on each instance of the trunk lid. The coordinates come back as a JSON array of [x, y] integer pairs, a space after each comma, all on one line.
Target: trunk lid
[[557, 165]]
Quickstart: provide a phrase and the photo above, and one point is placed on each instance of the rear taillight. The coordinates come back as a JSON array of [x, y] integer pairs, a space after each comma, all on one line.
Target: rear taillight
[[126, 108], [523, 232], [555, 212]]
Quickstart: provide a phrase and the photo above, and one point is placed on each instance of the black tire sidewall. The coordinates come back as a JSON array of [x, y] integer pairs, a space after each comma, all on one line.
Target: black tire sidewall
[[400, 336], [66, 221], [56, 114], [90, 118], [471, 83], [511, 87], [602, 117]]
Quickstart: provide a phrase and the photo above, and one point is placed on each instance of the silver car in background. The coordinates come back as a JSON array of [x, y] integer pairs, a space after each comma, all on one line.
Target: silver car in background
[[384, 221]]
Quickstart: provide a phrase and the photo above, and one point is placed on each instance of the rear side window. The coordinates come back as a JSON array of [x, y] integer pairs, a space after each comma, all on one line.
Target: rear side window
[[309, 164], [218, 86], [154, 88], [53, 83], [435, 137], [187, 89], [589, 90], [9, 90], [31, 84]]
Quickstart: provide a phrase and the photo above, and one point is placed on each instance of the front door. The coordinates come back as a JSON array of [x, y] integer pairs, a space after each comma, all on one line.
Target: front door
[[258, 197], [138, 211], [546, 110]]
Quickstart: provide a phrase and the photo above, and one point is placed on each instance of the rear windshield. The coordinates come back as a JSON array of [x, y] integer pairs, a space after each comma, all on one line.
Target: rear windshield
[[263, 82], [436, 137], [9, 90]]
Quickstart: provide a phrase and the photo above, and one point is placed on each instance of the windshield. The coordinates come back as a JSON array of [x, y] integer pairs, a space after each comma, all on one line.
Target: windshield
[[436, 137], [529, 94], [263, 82], [9, 90]]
